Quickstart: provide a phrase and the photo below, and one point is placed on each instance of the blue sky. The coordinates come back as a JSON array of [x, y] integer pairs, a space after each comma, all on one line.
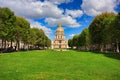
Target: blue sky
[[75, 15]]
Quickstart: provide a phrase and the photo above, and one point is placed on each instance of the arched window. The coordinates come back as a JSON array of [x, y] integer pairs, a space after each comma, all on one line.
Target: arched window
[[60, 41]]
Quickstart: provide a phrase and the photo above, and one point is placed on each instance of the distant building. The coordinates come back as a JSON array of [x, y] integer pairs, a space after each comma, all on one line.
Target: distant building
[[59, 41]]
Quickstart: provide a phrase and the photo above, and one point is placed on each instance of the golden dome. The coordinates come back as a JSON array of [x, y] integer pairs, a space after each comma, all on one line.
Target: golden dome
[[60, 27]]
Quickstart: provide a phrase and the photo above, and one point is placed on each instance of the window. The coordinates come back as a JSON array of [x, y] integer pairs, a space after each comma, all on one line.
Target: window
[[60, 41], [59, 46]]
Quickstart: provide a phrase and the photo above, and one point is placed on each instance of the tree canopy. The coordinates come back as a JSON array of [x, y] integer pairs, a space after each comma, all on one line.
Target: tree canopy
[[101, 35], [17, 29]]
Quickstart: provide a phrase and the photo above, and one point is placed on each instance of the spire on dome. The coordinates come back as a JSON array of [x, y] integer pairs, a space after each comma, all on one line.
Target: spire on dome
[[60, 27], [60, 24]]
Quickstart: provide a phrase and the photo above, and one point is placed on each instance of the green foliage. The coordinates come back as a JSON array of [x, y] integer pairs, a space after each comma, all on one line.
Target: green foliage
[[47, 42], [80, 40], [41, 39], [7, 23], [15, 28], [55, 65], [84, 39], [104, 31], [97, 27], [32, 36], [70, 43], [107, 34], [75, 41], [115, 28], [22, 30]]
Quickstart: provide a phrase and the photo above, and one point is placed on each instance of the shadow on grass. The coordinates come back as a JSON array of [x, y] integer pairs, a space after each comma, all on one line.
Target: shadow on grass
[[112, 55], [109, 54]]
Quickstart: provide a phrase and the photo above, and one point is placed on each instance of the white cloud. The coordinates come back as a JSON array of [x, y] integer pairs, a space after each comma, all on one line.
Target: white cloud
[[71, 35], [38, 25], [95, 7], [74, 13], [65, 20], [33, 8], [59, 1]]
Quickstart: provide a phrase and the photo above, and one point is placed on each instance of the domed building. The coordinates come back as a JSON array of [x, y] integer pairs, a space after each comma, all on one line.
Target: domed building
[[59, 41]]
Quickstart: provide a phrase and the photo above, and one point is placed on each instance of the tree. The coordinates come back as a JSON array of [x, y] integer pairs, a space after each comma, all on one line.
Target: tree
[[22, 31], [70, 43], [115, 28], [7, 24], [47, 41], [41, 39], [75, 41], [84, 39], [15, 28], [96, 30], [32, 36], [107, 38]]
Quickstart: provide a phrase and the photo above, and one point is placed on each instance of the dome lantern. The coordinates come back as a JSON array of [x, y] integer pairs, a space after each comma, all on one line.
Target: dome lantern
[[60, 27]]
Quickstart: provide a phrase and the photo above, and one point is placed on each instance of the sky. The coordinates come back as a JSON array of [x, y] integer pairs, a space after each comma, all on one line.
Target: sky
[[75, 15]]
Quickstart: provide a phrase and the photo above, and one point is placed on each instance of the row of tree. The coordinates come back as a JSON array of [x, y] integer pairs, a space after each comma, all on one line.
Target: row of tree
[[15, 29], [102, 35]]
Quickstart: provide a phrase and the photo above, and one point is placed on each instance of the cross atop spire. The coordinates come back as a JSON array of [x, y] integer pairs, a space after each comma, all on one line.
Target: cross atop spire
[[60, 25]]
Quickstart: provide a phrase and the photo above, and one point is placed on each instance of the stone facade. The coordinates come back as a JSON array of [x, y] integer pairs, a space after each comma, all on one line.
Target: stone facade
[[59, 41]]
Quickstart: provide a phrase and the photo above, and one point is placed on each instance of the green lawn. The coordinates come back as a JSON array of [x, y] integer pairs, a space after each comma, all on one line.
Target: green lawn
[[55, 65]]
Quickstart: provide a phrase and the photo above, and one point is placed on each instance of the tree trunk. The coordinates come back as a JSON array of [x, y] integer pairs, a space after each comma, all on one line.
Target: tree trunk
[[85, 49], [2, 43], [71, 47], [106, 48], [117, 47], [27, 45], [11, 44], [101, 48], [17, 45], [24, 46], [5, 45]]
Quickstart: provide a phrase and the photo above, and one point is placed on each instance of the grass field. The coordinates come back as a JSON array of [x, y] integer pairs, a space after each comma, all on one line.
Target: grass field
[[55, 65]]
